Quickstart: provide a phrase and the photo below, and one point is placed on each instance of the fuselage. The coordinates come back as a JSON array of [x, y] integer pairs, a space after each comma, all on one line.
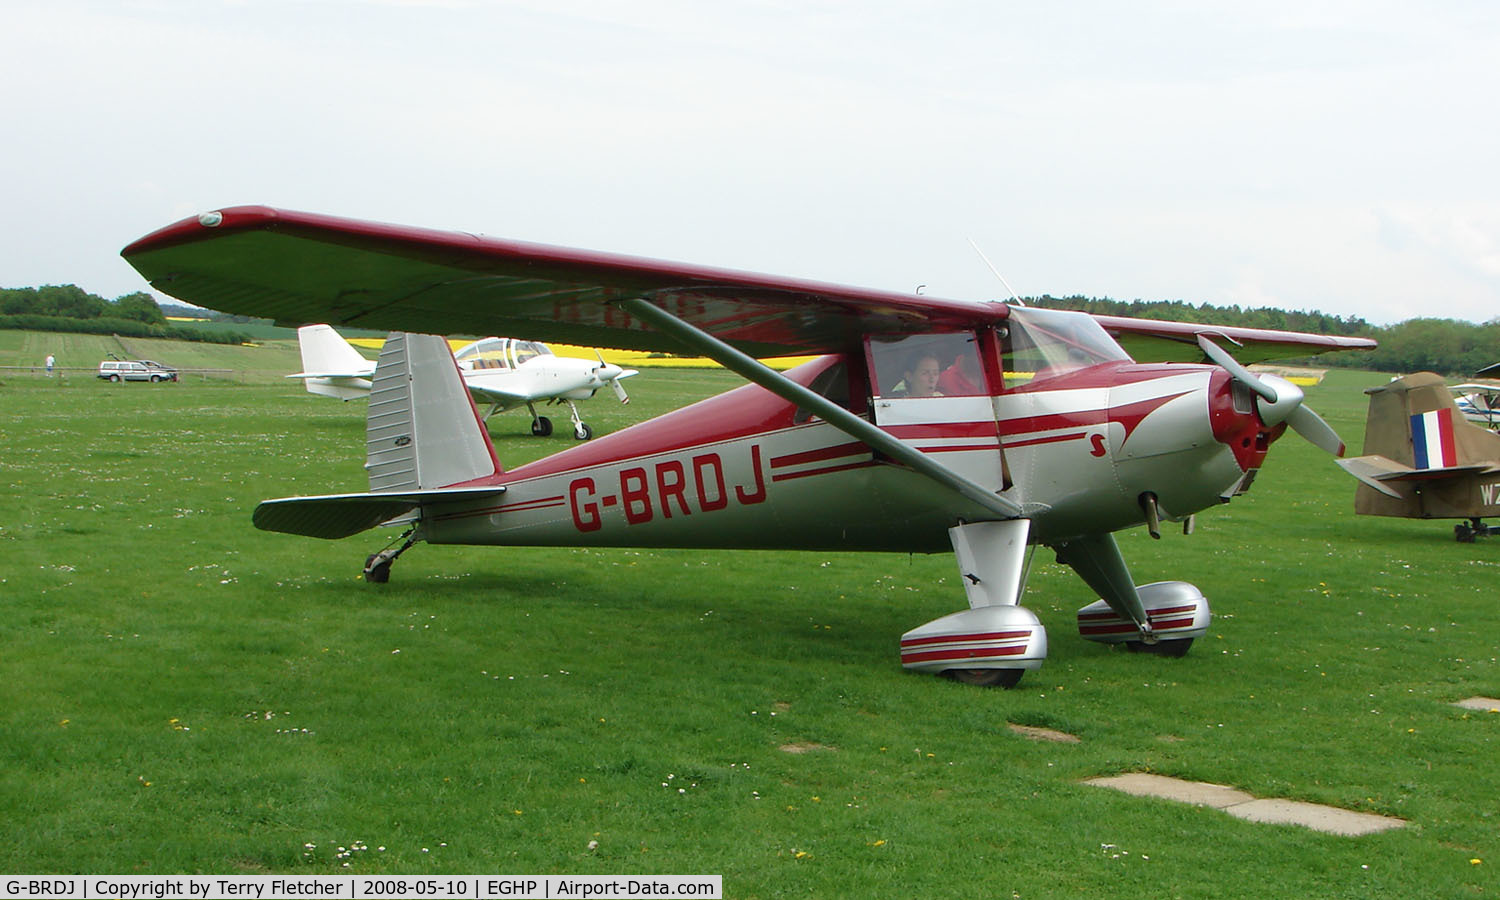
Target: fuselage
[[747, 469]]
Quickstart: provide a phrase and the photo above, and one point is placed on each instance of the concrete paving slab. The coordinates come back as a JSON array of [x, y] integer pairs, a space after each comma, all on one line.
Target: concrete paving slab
[[1200, 793], [1488, 704], [1037, 733], [1328, 819]]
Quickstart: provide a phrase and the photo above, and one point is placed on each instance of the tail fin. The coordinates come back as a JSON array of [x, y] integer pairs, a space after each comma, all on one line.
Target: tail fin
[[1414, 433], [423, 431], [330, 366], [426, 445], [1415, 421]]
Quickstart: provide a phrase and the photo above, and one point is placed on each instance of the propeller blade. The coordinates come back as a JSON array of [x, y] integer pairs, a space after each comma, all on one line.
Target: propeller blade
[[1316, 431], [1249, 379], [619, 390]]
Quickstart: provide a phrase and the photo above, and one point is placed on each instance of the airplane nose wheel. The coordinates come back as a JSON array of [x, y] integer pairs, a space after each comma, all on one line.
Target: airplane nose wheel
[[580, 430]]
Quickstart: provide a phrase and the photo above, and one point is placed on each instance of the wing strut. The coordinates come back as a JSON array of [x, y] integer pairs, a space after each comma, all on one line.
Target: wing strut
[[830, 412]]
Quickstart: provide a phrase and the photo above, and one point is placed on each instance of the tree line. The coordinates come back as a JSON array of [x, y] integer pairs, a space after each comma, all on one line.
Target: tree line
[[67, 307], [1445, 346]]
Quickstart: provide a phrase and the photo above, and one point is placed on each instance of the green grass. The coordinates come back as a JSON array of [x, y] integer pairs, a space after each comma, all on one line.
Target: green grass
[[78, 356], [182, 693]]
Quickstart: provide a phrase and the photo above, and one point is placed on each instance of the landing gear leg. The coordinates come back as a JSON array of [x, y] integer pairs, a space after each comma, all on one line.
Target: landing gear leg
[[378, 565], [995, 641], [580, 430]]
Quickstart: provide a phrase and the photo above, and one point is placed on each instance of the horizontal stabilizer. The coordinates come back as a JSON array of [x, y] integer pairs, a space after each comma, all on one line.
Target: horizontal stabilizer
[[1375, 471], [334, 516], [365, 374]]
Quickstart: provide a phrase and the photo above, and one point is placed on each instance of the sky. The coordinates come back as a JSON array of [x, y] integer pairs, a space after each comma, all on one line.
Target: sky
[[1302, 154]]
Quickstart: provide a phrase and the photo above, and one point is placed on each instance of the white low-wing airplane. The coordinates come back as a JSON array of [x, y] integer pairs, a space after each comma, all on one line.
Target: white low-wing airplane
[[1052, 428], [502, 372]]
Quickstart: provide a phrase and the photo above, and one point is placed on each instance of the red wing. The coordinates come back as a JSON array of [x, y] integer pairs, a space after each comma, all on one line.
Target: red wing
[[300, 267], [1149, 340]]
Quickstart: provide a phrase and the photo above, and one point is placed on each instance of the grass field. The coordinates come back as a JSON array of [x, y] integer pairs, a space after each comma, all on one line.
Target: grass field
[[182, 693]]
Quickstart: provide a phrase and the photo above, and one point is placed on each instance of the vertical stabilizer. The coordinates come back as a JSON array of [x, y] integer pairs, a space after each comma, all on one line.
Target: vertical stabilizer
[[1415, 421], [423, 432], [331, 367]]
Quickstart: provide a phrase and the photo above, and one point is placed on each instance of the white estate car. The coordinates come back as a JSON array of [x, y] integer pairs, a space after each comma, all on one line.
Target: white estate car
[[135, 370]]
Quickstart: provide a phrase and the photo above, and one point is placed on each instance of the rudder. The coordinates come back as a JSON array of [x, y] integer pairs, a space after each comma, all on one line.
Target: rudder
[[423, 431]]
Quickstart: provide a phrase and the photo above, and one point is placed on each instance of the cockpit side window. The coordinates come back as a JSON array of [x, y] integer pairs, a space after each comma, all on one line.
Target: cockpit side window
[[926, 365], [832, 383], [488, 353]]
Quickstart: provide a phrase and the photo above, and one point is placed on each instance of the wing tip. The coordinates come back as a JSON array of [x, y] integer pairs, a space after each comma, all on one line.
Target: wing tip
[[202, 225]]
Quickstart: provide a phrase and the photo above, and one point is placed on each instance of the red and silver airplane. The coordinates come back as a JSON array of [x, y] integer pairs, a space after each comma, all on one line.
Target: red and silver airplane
[[1041, 429], [502, 372]]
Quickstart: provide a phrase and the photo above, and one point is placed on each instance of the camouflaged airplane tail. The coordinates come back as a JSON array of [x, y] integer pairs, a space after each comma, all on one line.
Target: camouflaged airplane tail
[[1421, 459]]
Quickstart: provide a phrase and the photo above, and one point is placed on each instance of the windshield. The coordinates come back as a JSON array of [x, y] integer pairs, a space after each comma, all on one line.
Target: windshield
[[1044, 343], [530, 350]]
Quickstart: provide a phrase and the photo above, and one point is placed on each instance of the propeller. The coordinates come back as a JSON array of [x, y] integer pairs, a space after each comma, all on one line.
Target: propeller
[[1280, 400], [605, 372]]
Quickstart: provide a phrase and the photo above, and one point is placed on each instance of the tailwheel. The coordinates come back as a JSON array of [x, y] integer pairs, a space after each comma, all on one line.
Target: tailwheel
[[377, 570], [541, 426], [1006, 678], [1173, 647], [1465, 532], [378, 565]]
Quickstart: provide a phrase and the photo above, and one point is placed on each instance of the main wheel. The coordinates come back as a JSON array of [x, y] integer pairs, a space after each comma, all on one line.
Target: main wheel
[[1174, 647], [1006, 678], [583, 432], [542, 426], [1463, 533], [377, 572]]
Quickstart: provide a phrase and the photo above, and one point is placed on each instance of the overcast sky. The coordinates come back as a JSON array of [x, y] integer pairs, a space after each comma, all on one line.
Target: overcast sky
[[1300, 154]]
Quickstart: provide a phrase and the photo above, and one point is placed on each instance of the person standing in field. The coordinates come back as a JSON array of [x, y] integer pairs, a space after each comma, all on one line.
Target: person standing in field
[[51, 360]]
